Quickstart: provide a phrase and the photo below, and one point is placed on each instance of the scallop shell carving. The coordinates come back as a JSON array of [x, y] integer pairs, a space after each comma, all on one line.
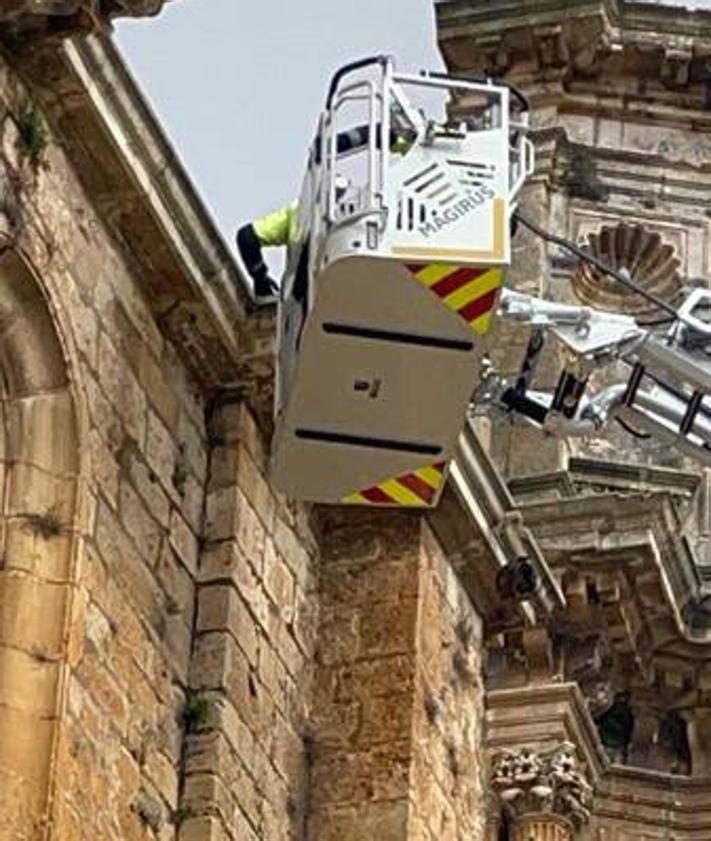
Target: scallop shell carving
[[643, 254]]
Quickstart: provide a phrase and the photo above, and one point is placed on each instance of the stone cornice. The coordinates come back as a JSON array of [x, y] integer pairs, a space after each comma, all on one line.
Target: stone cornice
[[478, 524], [546, 45], [134, 178], [23, 19], [542, 716], [612, 528], [610, 475]]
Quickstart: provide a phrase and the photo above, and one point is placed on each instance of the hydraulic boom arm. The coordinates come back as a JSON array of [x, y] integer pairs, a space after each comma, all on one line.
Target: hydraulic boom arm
[[665, 392]]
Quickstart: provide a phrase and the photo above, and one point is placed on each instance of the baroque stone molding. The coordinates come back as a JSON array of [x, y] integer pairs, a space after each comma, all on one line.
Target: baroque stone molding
[[61, 18], [553, 781], [542, 41], [639, 252]]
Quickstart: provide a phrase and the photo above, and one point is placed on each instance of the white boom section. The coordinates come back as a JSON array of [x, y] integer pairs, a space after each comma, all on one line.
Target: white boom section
[[667, 395]]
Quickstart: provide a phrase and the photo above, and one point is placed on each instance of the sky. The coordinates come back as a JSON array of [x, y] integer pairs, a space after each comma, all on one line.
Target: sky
[[239, 86]]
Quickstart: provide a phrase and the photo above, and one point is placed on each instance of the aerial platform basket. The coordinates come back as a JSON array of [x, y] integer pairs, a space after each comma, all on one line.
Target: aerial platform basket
[[402, 246]]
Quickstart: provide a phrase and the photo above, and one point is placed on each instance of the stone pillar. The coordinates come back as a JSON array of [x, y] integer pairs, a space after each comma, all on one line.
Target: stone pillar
[[699, 732], [545, 794], [361, 724], [396, 728]]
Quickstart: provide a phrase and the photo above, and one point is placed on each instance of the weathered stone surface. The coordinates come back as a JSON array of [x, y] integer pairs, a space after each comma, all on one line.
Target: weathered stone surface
[[25, 18]]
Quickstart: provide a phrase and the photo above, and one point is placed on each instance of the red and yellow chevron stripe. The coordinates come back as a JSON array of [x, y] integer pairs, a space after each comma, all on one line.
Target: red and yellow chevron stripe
[[413, 490], [469, 292]]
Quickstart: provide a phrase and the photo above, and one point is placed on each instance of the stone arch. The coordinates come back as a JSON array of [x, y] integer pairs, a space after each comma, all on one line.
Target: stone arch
[[39, 470], [644, 255]]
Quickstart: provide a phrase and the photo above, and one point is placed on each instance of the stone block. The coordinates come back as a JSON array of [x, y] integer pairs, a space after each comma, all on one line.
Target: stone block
[[105, 467], [177, 584], [31, 423], [387, 821], [256, 488], [388, 628], [292, 550], [161, 450], [183, 541], [193, 445], [223, 466], [147, 485], [29, 685], [380, 774], [278, 582], [221, 608], [159, 390], [40, 496], [144, 530], [32, 550], [122, 558], [122, 389], [207, 829], [226, 563]]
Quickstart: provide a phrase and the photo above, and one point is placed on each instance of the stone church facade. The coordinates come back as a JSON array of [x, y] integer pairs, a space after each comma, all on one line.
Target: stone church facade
[[186, 654]]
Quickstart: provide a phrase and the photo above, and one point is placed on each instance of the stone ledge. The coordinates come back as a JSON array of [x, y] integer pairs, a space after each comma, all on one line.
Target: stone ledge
[[573, 38], [136, 181], [49, 19]]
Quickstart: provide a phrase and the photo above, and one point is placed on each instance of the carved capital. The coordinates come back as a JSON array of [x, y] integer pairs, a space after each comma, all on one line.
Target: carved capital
[[532, 784]]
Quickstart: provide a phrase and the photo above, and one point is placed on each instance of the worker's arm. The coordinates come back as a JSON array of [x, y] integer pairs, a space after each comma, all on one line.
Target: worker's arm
[[250, 251], [274, 229]]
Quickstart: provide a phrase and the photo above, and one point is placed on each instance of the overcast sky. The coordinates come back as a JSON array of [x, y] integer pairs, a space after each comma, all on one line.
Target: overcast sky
[[239, 86]]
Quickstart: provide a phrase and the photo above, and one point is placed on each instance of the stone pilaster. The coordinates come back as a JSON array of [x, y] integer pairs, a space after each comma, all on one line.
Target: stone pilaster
[[395, 735]]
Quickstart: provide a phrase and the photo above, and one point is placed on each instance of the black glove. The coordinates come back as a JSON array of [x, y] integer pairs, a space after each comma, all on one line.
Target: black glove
[[251, 253]]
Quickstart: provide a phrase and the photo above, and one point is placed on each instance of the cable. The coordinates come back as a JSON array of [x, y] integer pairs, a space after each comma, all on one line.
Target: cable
[[656, 322], [642, 436], [598, 264]]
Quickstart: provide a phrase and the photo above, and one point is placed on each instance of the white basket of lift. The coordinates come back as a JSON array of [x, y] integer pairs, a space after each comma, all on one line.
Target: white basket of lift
[[393, 283]]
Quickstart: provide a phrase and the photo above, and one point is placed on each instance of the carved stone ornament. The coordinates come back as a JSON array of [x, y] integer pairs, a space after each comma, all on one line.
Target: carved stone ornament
[[57, 19], [637, 252], [58, 8], [554, 782]]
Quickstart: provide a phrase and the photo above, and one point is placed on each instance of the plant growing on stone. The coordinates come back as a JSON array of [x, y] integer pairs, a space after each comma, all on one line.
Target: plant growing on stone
[[582, 178], [45, 525], [182, 814], [195, 710], [33, 136], [179, 478]]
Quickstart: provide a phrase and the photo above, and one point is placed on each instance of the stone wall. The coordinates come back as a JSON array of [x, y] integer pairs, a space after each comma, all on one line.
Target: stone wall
[[155, 595], [396, 731], [175, 660], [138, 461], [246, 753]]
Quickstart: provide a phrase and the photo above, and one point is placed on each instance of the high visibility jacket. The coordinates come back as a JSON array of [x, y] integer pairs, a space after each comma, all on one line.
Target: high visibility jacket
[[277, 228]]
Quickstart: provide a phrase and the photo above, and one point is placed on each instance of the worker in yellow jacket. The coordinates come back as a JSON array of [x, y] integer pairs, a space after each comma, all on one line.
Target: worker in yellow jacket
[[274, 229]]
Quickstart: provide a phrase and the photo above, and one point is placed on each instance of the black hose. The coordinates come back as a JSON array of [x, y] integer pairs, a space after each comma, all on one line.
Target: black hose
[[600, 265], [642, 436]]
